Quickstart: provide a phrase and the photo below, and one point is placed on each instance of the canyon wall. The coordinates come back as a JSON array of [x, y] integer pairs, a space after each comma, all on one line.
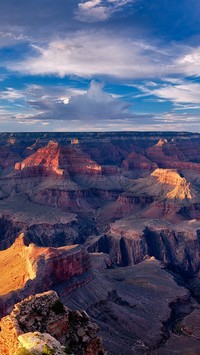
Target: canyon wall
[[40, 269]]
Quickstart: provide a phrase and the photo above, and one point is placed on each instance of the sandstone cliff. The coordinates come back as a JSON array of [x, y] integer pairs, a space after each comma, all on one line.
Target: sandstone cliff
[[30, 269]]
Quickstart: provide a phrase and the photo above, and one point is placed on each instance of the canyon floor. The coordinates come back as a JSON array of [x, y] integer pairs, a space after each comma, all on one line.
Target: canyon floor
[[111, 222]]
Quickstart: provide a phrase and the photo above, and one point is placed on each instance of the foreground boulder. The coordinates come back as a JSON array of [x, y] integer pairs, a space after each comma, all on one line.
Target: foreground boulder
[[41, 324]]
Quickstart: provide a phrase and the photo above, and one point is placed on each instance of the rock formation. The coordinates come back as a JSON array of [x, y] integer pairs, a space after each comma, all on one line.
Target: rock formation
[[41, 324], [59, 160], [30, 269]]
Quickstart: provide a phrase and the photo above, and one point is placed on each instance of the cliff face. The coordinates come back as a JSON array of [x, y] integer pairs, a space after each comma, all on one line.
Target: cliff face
[[177, 249], [8, 157], [42, 322], [122, 250], [132, 240], [30, 269]]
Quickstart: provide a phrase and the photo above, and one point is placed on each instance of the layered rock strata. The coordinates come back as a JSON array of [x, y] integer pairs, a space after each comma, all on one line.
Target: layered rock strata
[[30, 269]]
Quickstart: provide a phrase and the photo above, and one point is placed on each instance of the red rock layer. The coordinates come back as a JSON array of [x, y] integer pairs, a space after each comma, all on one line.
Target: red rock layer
[[38, 269], [59, 160]]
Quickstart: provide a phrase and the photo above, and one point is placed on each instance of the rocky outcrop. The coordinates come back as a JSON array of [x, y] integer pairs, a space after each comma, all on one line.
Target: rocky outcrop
[[54, 158], [30, 269], [179, 250], [45, 159], [165, 184], [123, 251], [41, 323]]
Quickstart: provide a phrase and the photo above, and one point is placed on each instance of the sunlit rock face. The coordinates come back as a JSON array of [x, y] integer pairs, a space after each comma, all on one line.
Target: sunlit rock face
[[180, 187], [30, 269], [164, 184], [41, 323], [59, 160], [47, 157]]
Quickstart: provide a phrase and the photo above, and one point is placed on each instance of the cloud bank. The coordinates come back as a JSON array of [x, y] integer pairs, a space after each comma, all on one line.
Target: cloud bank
[[94, 105]]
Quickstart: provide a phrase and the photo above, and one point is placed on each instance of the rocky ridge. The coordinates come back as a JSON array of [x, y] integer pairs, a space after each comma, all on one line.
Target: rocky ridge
[[41, 324]]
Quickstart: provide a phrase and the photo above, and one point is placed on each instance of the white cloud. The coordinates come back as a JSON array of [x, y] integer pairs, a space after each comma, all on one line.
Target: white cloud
[[90, 4], [11, 94], [89, 54], [187, 92], [182, 93], [99, 10], [189, 62]]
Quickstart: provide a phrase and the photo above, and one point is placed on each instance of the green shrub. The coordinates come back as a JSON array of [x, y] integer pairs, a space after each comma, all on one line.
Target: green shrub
[[58, 307], [47, 350]]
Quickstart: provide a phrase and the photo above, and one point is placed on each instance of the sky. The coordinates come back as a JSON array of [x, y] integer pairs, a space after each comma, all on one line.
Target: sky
[[99, 65]]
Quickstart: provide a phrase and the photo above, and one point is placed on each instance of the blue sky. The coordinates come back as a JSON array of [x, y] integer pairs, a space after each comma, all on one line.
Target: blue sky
[[97, 65]]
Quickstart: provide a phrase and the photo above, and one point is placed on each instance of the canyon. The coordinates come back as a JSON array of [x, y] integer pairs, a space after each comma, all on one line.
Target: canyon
[[111, 222]]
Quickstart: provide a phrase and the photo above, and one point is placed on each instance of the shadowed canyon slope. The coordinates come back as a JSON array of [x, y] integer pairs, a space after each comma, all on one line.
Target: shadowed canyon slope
[[127, 198]]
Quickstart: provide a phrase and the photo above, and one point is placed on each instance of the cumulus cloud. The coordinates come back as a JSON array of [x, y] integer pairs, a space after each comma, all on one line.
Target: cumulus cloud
[[94, 109], [93, 105]]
